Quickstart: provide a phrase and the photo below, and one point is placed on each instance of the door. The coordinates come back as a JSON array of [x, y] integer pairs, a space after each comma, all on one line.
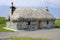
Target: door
[[38, 24]]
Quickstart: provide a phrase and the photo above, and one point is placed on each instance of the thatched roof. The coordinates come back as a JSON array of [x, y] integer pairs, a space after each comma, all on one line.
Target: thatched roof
[[30, 13]]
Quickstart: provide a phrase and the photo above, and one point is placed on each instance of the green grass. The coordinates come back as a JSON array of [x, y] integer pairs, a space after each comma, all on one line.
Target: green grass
[[57, 23], [2, 20], [3, 24], [27, 38]]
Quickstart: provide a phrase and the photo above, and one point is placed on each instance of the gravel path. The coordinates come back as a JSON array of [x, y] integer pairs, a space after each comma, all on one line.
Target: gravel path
[[53, 34]]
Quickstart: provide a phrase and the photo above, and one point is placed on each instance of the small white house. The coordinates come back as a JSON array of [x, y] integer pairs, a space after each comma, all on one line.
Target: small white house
[[29, 19]]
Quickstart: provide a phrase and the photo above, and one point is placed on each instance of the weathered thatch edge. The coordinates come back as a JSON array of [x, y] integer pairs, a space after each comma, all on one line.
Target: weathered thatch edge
[[32, 19], [10, 29]]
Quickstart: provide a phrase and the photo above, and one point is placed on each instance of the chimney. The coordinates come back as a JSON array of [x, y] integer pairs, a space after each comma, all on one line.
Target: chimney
[[12, 8]]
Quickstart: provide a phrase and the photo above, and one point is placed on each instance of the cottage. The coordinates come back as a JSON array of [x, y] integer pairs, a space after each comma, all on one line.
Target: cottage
[[29, 19]]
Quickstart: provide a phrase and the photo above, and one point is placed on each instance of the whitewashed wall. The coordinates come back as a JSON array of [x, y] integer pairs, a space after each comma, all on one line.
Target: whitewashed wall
[[8, 24], [11, 25]]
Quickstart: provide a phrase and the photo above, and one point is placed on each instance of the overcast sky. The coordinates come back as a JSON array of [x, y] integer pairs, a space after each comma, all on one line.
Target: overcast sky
[[53, 5]]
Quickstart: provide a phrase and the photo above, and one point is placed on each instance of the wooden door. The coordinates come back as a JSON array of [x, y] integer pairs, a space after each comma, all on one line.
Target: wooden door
[[38, 24]]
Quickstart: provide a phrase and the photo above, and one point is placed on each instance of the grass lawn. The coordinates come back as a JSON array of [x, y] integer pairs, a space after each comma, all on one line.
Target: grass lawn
[[27, 38], [57, 23]]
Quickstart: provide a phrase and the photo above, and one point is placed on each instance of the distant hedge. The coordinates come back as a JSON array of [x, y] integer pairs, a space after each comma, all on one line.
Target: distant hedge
[[57, 23], [2, 20]]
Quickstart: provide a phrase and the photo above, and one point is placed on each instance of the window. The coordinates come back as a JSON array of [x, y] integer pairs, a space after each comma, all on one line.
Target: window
[[47, 22], [28, 22]]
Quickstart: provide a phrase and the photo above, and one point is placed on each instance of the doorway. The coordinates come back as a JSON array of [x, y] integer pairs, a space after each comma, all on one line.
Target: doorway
[[38, 24]]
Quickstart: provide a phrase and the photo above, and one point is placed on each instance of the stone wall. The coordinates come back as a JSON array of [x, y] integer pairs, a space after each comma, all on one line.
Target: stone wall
[[24, 25], [21, 25], [32, 26], [44, 24], [51, 24]]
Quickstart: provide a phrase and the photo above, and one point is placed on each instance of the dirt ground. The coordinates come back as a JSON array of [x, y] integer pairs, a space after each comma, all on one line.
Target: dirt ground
[[53, 34]]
